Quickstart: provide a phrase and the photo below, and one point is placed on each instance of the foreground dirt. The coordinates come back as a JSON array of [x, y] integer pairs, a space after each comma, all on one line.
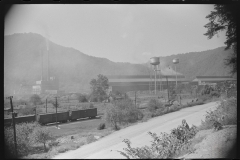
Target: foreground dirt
[[215, 144], [108, 146]]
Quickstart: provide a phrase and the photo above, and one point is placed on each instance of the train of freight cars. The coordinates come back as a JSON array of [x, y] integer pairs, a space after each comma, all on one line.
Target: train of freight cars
[[51, 117]]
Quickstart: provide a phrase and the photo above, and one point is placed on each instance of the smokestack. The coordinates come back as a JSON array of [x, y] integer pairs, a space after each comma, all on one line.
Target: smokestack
[[47, 65], [41, 65], [47, 46]]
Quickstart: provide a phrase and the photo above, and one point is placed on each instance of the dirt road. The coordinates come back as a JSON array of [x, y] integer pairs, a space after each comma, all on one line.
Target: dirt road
[[106, 148]]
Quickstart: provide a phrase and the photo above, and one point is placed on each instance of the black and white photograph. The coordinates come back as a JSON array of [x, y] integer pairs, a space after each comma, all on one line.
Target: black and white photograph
[[120, 81]]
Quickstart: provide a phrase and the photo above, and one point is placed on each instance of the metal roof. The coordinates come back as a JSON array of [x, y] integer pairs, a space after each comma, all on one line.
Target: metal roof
[[141, 76], [199, 77], [145, 80], [214, 79]]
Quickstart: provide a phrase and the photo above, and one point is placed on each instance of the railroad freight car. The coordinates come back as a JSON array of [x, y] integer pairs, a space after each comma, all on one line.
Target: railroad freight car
[[74, 115], [51, 117], [91, 113], [20, 119], [46, 118], [62, 117]]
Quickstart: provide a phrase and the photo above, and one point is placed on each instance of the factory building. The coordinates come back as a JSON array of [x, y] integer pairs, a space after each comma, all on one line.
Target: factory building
[[47, 84], [49, 87], [126, 83], [203, 80]]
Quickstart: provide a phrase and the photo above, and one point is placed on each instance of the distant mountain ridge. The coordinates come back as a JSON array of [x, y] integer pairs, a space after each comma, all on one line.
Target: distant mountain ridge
[[22, 64]]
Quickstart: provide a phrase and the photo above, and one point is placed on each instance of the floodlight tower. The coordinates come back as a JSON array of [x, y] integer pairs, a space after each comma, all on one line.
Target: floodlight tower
[[155, 61], [176, 61]]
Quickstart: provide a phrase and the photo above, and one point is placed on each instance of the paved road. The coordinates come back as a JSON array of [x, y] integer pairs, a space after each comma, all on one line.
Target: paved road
[[106, 148]]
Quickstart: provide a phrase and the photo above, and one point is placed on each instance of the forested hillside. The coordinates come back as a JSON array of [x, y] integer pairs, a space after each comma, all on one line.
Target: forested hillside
[[22, 64]]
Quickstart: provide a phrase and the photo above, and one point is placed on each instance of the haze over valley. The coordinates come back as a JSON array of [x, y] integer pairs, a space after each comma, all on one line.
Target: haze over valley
[[22, 64]]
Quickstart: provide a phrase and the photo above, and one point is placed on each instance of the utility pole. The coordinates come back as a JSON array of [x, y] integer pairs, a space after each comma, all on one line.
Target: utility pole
[[135, 100], [56, 112], [46, 105], [176, 76], [14, 129], [35, 109], [155, 71], [167, 88]]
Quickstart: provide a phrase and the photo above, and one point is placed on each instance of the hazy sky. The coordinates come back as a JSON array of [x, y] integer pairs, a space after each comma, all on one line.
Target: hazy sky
[[120, 33]]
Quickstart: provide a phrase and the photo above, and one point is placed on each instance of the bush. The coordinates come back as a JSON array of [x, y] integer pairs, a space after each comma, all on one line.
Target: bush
[[28, 110], [86, 106], [129, 113], [90, 139], [184, 133], [204, 97], [23, 133], [82, 98], [225, 114], [35, 99], [163, 146], [53, 143], [101, 126], [71, 146], [122, 112], [41, 135], [215, 94], [93, 98], [113, 116], [91, 106], [154, 104]]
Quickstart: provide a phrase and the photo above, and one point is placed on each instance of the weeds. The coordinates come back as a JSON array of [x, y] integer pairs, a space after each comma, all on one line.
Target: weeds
[[163, 146], [91, 139], [225, 114], [123, 112], [101, 126]]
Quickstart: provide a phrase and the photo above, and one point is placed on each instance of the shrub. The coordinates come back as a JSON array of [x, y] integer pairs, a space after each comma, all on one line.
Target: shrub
[[163, 146], [27, 110], [225, 114], [113, 116], [90, 139], [82, 98], [101, 126], [147, 115], [204, 97], [154, 104], [128, 112], [122, 112], [183, 132], [86, 106], [93, 98], [35, 99], [91, 106], [215, 94], [41, 135], [53, 143], [64, 148], [23, 133]]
